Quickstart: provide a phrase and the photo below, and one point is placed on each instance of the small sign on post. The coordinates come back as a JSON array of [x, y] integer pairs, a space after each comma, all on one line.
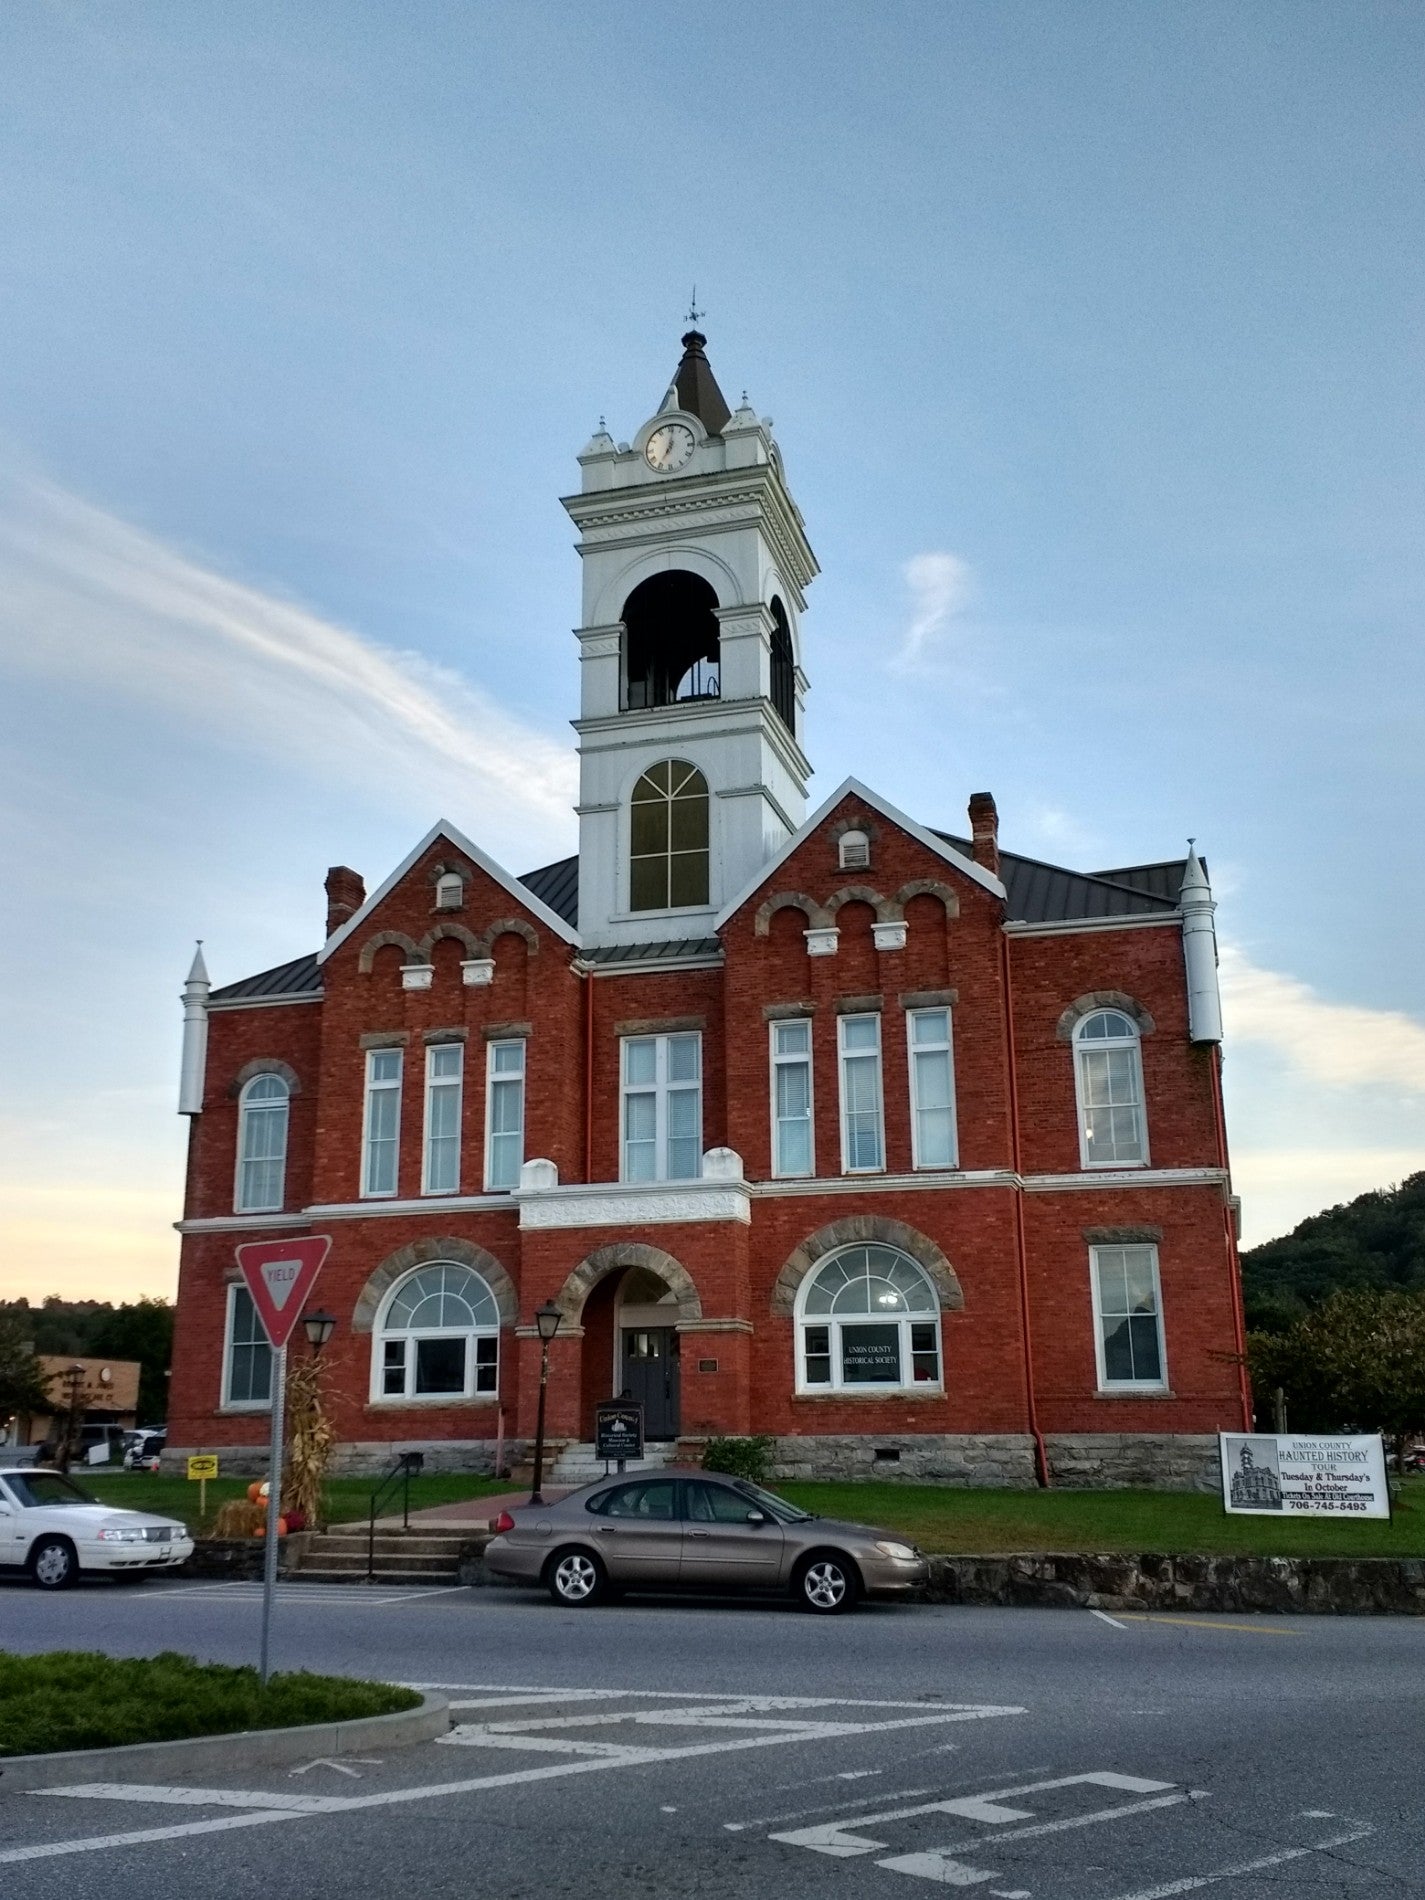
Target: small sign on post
[[279, 1274], [200, 1469], [618, 1430]]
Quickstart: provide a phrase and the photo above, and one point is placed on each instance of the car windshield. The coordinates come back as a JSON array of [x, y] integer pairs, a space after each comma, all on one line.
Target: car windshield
[[40, 1488], [774, 1506]]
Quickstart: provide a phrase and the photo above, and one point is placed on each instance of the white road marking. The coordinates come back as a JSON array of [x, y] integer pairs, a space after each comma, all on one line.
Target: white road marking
[[366, 1597], [836, 1838], [1318, 1814], [341, 1767], [275, 1808], [859, 1774], [923, 1863], [1112, 1621], [840, 1807], [1196, 1881], [196, 1797]]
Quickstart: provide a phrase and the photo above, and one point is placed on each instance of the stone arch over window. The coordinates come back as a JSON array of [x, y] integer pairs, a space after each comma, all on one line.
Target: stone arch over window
[[1104, 999], [784, 668], [461, 935], [863, 1229], [671, 650], [389, 939], [886, 909], [868, 1319], [927, 887], [817, 917], [507, 927], [264, 1065], [669, 823], [419, 1253], [605, 1260]]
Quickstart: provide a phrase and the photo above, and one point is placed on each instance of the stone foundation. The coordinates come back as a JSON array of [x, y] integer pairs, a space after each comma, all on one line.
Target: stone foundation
[[1331, 1586], [1077, 1461], [471, 1457]]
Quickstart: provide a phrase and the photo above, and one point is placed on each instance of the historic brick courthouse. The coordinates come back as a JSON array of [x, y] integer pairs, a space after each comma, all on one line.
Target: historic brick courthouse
[[840, 1127]]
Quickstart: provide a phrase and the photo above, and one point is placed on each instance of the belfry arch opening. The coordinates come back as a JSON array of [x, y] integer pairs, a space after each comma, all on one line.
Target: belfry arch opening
[[670, 642], [784, 669]]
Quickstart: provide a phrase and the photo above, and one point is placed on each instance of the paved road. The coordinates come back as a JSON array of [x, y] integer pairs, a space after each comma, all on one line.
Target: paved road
[[738, 1750]]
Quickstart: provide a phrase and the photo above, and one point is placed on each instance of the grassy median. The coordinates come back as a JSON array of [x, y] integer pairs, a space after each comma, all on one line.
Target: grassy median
[[75, 1698], [983, 1523]]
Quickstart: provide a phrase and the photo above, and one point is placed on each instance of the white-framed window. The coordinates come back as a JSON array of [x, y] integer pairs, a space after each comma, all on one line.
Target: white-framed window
[[662, 1107], [668, 838], [1128, 1319], [1108, 1074], [381, 1127], [793, 1145], [931, 1062], [868, 1316], [262, 1145], [437, 1336], [504, 1114], [863, 1135], [445, 1069], [247, 1357]]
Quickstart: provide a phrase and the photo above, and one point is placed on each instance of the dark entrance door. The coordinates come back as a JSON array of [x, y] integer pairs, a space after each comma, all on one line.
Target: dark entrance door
[[650, 1373]]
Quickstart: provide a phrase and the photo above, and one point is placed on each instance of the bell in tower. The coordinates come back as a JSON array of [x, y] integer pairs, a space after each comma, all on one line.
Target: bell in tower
[[695, 565]]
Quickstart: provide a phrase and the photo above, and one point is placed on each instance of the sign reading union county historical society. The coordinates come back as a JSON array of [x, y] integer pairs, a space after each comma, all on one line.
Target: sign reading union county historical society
[[1304, 1477]]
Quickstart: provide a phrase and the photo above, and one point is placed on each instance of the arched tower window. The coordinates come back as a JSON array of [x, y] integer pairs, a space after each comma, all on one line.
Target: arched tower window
[[867, 1317], [668, 832], [1108, 1070], [262, 1145], [437, 1337], [670, 641], [784, 669]]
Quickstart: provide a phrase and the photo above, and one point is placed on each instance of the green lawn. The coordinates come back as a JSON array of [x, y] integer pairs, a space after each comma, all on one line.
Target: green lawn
[[987, 1522], [79, 1699], [348, 1499]]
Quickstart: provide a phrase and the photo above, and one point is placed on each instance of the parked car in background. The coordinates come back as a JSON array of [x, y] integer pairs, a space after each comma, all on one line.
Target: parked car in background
[[56, 1531], [697, 1530], [143, 1447]]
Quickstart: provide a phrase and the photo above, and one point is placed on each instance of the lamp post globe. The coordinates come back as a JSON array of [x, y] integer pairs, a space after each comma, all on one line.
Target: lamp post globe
[[319, 1327]]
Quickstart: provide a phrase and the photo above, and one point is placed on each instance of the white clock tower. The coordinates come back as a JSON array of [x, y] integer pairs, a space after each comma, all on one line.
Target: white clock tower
[[696, 563]]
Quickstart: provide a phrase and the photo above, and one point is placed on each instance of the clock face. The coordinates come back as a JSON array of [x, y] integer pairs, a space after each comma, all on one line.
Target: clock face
[[669, 448]]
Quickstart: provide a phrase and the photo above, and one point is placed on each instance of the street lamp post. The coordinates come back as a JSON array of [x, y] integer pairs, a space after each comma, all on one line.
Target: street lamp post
[[319, 1327], [547, 1319]]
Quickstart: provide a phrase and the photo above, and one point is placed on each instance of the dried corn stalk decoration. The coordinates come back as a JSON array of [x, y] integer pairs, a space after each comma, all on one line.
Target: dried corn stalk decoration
[[311, 1442]]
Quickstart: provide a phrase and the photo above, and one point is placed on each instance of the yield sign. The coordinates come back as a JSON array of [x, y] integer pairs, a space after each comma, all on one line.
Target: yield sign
[[279, 1276]]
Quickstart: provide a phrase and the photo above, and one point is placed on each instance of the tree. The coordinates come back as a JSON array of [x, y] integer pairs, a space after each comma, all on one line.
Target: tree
[[143, 1331], [24, 1387], [1357, 1360]]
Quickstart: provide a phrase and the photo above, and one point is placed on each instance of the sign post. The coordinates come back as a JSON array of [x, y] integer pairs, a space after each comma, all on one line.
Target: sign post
[[202, 1468], [279, 1275]]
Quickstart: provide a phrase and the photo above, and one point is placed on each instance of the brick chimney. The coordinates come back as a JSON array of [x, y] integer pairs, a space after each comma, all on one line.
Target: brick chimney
[[984, 831], [345, 895]]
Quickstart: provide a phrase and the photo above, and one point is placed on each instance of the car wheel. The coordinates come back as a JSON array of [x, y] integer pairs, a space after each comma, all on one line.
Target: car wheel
[[53, 1564], [827, 1584], [577, 1579]]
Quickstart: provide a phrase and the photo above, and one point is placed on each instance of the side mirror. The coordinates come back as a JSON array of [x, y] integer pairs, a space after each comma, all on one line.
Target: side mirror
[[756, 1517]]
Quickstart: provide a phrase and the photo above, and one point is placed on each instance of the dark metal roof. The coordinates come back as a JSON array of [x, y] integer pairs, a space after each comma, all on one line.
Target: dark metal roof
[[300, 977], [1040, 893], [557, 885], [1157, 880], [664, 952], [697, 388]]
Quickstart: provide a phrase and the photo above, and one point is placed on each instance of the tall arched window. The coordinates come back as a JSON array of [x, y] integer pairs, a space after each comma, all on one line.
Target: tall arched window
[[784, 669], [868, 1316], [438, 1336], [671, 641], [668, 832], [262, 1145], [1108, 1073]]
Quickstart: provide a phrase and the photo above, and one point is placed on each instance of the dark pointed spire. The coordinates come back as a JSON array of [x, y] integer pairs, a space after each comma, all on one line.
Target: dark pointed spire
[[696, 386]]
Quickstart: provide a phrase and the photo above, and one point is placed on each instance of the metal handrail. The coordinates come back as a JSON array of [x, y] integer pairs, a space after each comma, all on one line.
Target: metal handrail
[[407, 1466]]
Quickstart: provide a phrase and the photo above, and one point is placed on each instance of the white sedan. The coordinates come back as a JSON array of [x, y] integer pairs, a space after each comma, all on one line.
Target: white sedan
[[54, 1530]]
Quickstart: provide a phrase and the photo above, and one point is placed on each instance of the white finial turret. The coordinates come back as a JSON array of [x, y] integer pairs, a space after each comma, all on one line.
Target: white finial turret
[[1200, 951], [194, 1064]]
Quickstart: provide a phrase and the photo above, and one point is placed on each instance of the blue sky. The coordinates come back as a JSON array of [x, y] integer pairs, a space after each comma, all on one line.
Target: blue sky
[[1092, 338]]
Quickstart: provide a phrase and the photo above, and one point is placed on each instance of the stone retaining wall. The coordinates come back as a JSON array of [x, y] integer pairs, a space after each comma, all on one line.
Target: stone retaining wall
[[1385, 1586], [471, 1457]]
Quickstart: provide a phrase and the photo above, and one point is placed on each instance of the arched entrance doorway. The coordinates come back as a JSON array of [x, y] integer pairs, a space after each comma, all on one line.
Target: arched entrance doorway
[[630, 1301]]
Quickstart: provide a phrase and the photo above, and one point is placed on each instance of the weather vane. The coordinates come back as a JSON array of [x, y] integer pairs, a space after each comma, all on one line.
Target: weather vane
[[694, 314]]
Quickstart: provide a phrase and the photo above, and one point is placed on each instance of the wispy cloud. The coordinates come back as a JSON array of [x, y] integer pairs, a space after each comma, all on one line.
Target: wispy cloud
[[1054, 829], [1343, 1045], [88, 598], [940, 586]]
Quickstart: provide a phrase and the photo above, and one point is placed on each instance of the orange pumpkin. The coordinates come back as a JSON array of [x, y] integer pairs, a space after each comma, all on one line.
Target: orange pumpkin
[[254, 1492]]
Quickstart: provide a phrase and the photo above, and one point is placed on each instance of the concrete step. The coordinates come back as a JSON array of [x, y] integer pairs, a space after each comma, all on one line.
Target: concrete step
[[352, 1559]]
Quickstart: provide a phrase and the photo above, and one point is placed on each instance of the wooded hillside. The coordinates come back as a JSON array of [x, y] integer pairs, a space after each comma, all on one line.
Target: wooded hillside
[[1376, 1241]]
